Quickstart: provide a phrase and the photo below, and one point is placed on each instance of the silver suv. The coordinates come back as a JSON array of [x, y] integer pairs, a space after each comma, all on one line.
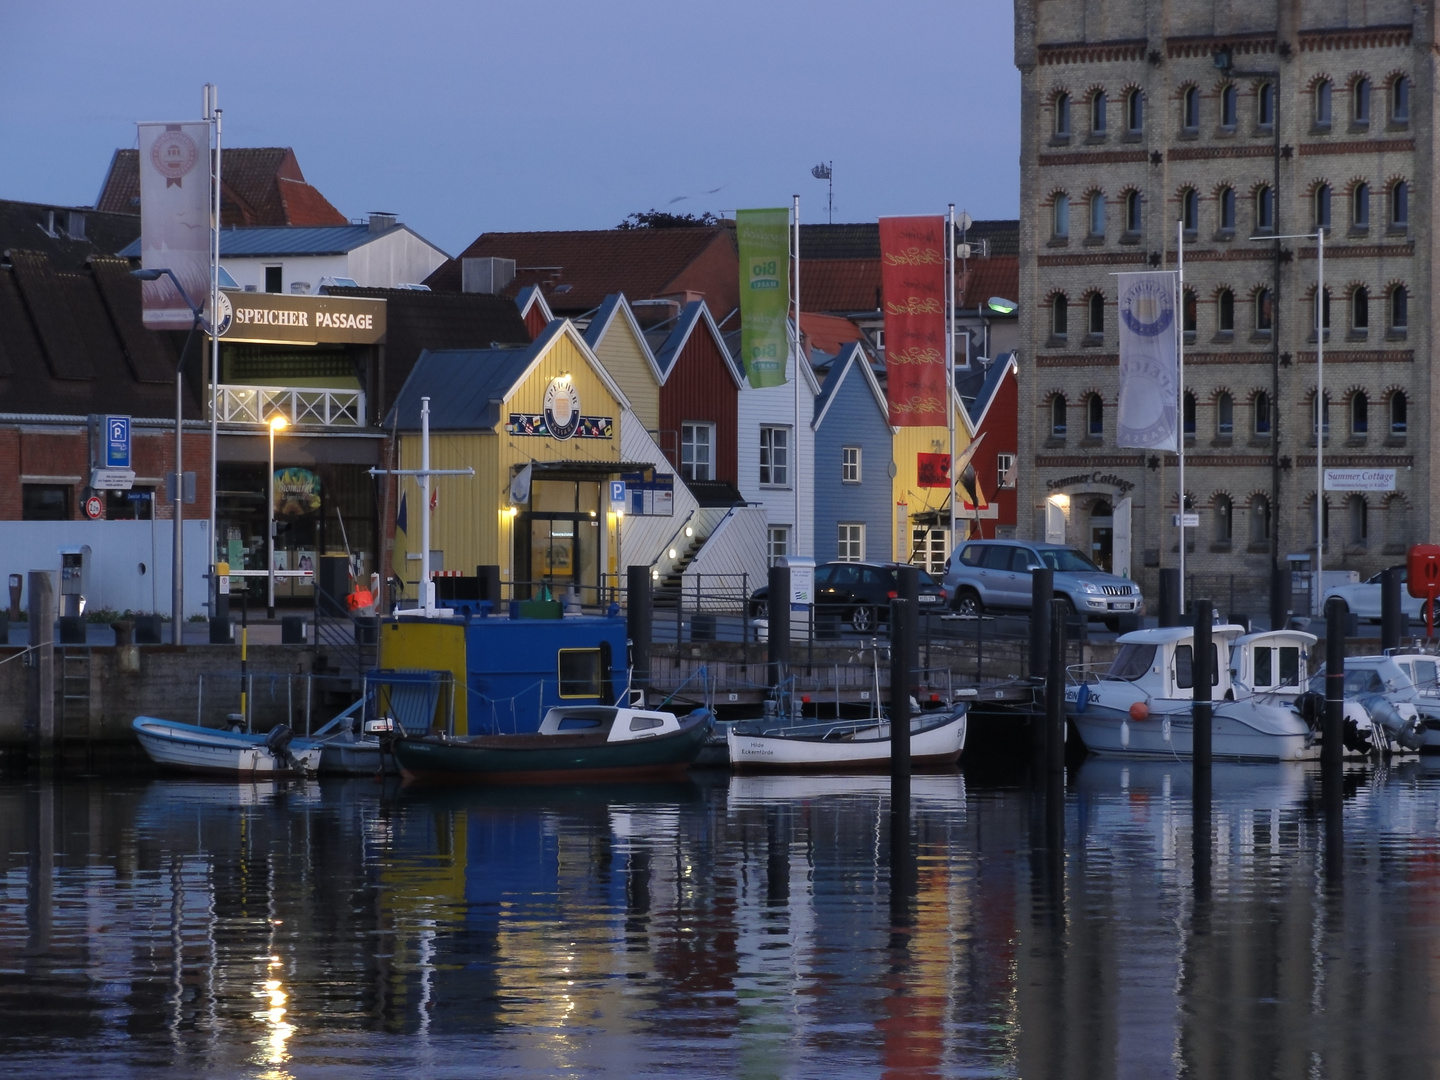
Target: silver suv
[[996, 574]]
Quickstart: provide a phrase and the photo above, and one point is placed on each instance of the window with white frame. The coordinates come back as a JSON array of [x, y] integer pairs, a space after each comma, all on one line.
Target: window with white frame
[[850, 542], [850, 464], [1005, 470], [775, 456], [697, 451], [778, 541], [928, 550]]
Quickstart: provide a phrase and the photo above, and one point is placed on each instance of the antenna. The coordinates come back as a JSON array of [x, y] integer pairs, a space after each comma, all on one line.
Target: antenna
[[825, 171]]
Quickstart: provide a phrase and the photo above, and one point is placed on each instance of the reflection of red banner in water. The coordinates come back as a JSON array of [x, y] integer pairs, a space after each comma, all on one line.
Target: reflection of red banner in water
[[912, 275]]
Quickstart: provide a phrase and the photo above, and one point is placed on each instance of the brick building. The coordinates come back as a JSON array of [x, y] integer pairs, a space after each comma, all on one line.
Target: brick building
[[1236, 121]]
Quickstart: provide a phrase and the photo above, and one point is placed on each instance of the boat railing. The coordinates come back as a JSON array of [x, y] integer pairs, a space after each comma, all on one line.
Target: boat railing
[[1086, 674]]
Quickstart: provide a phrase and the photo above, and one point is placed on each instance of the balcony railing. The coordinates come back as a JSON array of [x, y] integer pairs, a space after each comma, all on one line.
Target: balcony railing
[[301, 405]]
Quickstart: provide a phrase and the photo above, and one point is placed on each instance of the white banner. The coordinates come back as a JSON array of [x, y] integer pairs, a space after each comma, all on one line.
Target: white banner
[[174, 220], [1149, 370], [1359, 479]]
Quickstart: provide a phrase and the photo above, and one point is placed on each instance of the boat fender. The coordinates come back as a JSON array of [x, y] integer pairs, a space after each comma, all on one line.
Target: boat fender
[[1124, 734], [1082, 697], [1165, 729], [1139, 711]]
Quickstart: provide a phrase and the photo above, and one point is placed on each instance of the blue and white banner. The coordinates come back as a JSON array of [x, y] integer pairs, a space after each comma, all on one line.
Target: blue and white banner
[[1149, 368]]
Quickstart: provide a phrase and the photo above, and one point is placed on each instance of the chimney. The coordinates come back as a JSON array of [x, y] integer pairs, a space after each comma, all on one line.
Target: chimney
[[488, 275], [380, 221], [76, 225], [650, 313]]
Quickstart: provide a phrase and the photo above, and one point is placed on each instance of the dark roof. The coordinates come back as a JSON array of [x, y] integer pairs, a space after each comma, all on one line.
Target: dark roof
[[465, 388], [715, 493], [998, 276], [416, 321], [861, 240], [577, 270], [305, 240], [840, 284], [68, 235], [260, 185], [72, 343]]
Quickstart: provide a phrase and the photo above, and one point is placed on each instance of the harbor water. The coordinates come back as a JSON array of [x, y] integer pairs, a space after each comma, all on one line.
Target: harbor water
[[723, 927]]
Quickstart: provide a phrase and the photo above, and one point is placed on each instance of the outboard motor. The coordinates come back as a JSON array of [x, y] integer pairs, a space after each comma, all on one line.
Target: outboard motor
[[278, 743], [1311, 707], [1361, 735], [1408, 732]]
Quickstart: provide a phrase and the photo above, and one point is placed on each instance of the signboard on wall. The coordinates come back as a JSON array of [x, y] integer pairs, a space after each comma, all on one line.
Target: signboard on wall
[[292, 318], [649, 493], [1359, 479]]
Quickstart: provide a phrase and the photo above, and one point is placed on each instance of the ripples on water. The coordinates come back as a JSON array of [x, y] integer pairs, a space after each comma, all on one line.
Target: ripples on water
[[724, 927]]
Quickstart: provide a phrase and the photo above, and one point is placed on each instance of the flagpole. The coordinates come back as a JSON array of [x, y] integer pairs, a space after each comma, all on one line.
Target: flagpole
[[213, 114], [1180, 370], [1319, 590], [795, 449], [950, 359]]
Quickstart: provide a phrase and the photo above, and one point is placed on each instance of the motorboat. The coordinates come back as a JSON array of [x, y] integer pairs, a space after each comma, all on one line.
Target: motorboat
[[1140, 706], [936, 739], [574, 744], [192, 748], [1401, 690]]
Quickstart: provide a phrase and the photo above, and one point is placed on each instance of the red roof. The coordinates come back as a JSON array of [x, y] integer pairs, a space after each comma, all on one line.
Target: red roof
[[998, 275], [840, 284], [827, 332], [260, 186]]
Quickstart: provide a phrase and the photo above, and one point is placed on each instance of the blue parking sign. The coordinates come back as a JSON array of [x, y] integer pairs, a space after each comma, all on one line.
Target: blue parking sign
[[617, 493], [117, 442]]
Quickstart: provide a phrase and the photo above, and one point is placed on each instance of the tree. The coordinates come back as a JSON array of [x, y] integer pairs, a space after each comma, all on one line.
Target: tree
[[661, 219]]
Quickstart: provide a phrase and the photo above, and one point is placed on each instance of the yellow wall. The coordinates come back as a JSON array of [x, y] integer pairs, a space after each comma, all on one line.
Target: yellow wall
[[624, 358], [908, 443], [429, 646]]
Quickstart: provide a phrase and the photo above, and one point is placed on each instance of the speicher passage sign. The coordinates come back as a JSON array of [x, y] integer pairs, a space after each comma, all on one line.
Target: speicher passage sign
[[290, 318]]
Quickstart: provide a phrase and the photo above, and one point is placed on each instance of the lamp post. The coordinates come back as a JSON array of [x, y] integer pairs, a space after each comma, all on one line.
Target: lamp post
[[275, 423], [177, 493]]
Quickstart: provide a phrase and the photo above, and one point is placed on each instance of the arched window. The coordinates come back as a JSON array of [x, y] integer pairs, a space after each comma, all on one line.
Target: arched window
[[1094, 416], [1229, 106], [1359, 413], [1190, 110], [1059, 315], [1134, 112], [1096, 322], [1322, 103], [1260, 409], [1360, 207], [1224, 415], [1399, 205], [1399, 308], [1057, 416], [1399, 408], [1264, 312], [1224, 515], [1397, 525], [1265, 105], [1259, 519], [1360, 102], [1400, 100], [1360, 309], [1189, 311], [1061, 217], [1062, 116], [1097, 113], [1133, 205], [1227, 209], [1322, 207], [1189, 210], [1320, 310], [1097, 214], [1327, 415], [1187, 409], [1225, 312], [1357, 521], [1264, 209]]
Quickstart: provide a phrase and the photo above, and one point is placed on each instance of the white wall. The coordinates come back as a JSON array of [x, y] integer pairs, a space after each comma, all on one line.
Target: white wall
[[118, 549], [309, 269], [398, 257], [776, 405], [643, 538]]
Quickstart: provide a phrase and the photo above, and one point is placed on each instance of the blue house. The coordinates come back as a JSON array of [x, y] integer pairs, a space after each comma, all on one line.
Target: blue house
[[852, 462]]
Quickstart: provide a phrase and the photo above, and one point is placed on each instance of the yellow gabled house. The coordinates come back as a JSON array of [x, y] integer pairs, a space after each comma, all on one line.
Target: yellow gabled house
[[923, 488]]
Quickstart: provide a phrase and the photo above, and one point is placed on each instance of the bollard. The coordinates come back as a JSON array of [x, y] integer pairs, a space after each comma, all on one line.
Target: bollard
[[1170, 614], [1055, 691], [639, 621], [1331, 748], [487, 578], [902, 665], [1280, 585], [40, 718], [1042, 590], [778, 603], [907, 584], [1390, 607], [1202, 670]]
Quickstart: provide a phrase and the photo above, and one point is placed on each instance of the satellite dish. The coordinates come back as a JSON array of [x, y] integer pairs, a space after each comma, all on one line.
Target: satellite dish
[[964, 221]]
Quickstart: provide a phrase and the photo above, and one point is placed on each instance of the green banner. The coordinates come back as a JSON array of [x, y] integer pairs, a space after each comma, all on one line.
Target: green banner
[[764, 238]]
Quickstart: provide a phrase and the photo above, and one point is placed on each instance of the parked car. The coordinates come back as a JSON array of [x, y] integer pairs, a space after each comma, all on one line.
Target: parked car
[[859, 592], [1363, 598], [996, 574]]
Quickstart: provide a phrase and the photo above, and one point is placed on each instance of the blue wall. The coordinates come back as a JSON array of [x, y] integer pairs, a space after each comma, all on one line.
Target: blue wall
[[853, 419]]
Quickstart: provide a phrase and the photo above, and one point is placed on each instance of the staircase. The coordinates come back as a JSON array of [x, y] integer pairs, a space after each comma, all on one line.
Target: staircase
[[74, 690], [667, 593]]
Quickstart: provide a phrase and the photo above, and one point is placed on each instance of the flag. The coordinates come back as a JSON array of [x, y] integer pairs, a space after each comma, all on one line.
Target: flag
[[174, 220], [912, 279], [434, 499], [764, 240], [1149, 366], [402, 541], [520, 487]]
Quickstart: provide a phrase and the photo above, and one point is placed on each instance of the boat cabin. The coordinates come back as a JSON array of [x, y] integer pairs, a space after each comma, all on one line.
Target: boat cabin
[[1411, 675], [1160, 662], [1273, 662], [617, 724]]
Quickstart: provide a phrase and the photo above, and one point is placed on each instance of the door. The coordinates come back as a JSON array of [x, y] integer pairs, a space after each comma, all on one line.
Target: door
[[553, 555], [1102, 536], [1120, 553], [1054, 522]]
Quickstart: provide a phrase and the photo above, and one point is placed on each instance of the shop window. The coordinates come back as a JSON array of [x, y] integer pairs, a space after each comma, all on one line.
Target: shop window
[[45, 502], [137, 504], [697, 451]]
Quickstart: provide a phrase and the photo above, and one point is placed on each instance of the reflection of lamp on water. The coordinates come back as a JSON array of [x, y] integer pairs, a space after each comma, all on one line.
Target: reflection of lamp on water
[[276, 423]]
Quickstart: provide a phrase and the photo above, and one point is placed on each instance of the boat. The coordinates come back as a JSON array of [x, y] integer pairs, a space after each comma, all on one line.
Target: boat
[[1400, 690], [192, 748], [936, 739], [574, 744], [1141, 705]]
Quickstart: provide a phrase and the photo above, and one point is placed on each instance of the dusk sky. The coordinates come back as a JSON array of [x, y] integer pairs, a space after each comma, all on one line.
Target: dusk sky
[[468, 117]]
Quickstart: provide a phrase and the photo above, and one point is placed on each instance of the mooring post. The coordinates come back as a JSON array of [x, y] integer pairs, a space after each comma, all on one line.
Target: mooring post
[[1280, 586], [1332, 772], [1055, 691], [903, 636], [778, 603], [1170, 613], [1042, 590], [42, 639], [639, 623], [1202, 669], [1390, 608]]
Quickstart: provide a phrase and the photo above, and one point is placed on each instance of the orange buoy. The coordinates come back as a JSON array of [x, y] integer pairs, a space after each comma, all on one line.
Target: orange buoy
[[1139, 711]]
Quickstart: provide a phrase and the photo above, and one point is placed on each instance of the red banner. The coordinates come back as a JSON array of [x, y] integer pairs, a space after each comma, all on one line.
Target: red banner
[[912, 276]]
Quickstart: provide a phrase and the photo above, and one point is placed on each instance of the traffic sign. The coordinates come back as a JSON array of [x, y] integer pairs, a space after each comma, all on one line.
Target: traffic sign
[[112, 479], [94, 507], [117, 442], [617, 494]]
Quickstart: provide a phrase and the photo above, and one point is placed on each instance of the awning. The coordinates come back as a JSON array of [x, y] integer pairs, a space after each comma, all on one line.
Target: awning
[[583, 470]]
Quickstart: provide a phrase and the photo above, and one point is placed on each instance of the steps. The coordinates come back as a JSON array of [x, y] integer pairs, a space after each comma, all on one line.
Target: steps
[[667, 593], [73, 688]]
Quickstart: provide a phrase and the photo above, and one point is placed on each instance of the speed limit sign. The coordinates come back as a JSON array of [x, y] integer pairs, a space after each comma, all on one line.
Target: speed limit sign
[[94, 507]]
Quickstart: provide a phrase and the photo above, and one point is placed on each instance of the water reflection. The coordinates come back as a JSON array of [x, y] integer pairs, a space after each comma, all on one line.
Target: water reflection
[[723, 926]]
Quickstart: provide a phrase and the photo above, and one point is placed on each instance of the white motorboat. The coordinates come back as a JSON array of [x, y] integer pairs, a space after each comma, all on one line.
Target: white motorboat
[[1141, 705], [192, 748], [1400, 690], [935, 739]]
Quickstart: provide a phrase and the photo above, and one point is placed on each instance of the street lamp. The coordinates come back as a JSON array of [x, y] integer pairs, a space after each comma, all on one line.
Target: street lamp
[[177, 493], [276, 423]]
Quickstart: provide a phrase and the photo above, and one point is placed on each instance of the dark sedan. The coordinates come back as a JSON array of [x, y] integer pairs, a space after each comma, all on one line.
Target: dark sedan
[[859, 592]]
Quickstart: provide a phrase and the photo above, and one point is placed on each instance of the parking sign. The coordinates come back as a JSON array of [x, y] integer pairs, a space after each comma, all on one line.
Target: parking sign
[[117, 442], [617, 494]]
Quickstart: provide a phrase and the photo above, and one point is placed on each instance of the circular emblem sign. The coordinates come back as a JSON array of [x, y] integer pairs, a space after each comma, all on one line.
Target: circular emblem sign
[[174, 154], [562, 407], [94, 507], [227, 315]]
